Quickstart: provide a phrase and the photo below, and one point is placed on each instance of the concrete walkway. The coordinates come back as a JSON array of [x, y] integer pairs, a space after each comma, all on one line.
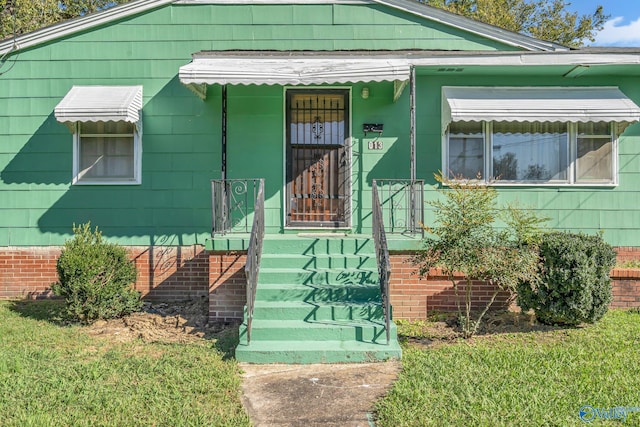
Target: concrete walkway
[[315, 395]]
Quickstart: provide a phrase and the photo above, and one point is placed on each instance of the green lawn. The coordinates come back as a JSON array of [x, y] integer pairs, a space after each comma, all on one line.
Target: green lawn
[[534, 378], [56, 375]]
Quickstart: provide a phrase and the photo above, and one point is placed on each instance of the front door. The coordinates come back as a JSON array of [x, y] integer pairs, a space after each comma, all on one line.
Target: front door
[[317, 157]]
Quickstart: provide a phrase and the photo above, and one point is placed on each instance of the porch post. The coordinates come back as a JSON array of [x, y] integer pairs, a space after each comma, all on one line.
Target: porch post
[[412, 131], [223, 168], [412, 137], [223, 164]]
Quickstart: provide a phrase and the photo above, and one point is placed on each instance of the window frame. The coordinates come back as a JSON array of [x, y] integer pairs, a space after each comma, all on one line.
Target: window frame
[[571, 181], [137, 157]]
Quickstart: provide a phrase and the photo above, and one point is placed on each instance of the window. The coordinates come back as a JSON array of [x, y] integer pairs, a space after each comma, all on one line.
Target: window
[[107, 153], [466, 149], [594, 160], [529, 151], [106, 122], [532, 152]]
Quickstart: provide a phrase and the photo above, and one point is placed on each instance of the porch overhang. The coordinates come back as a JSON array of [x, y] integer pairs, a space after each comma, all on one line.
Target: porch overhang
[[304, 68], [537, 104]]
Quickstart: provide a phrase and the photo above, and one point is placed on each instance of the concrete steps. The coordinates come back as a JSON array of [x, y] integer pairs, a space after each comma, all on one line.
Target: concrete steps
[[321, 330], [311, 293], [305, 352], [317, 301]]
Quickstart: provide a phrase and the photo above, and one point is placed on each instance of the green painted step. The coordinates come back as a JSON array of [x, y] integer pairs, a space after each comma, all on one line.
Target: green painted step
[[305, 352], [300, 310], [324, 261], [292, 244], [298, 330], [318, 276], [317, 301], [318, 293]]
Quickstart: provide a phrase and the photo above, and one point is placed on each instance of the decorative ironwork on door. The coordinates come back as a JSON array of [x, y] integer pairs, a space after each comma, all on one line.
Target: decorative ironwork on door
[[317, 158]]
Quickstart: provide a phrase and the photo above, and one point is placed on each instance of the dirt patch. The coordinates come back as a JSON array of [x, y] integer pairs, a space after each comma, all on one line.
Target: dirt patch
[[495, 326], [175, 322]]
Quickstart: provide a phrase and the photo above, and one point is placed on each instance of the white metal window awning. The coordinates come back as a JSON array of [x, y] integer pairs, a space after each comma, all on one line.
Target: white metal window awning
[[100, 104], [292, 70], [539, 104]]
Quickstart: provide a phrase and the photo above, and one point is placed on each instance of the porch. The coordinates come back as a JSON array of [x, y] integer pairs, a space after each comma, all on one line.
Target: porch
[[312, 295]]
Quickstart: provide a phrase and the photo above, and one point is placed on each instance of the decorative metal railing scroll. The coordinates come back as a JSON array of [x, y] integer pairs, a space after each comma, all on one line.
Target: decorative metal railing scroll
[[232, 201], [402, 204]]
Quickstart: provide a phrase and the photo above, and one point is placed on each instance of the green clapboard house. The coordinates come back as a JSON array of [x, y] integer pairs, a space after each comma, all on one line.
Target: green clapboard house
[[257, 153]]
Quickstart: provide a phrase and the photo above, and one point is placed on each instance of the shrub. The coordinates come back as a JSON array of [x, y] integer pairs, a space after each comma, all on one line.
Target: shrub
[[466, 239], [95, 277], [573, 284]]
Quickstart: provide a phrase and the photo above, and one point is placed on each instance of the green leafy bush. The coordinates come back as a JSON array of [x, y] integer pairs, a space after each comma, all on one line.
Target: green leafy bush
[[466, 239], [95, 277], [573, 284]]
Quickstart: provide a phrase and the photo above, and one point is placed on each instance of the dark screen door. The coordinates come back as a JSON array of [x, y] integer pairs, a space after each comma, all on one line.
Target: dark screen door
[[317, 158]]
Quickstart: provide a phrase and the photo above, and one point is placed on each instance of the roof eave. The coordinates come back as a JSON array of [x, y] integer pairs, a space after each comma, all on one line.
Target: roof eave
[[76, 25], [125, 10], [475, 27]]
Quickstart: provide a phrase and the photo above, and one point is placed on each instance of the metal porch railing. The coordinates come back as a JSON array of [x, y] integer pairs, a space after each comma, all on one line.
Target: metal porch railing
[[382, 256], [232, 201], [402, 205], [254, 254]]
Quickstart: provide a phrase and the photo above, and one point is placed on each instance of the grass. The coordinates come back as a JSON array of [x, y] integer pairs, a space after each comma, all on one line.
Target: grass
[[57, 375], [534, 378]]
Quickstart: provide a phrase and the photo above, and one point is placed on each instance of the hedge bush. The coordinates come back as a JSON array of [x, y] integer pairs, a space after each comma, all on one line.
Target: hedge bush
[[573, 284], [95, 277]]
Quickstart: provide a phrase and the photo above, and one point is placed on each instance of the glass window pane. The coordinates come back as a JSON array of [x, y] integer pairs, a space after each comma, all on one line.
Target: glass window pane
[[465, 128], [106, 128], [599, 128], [466, 157], [317, 118], [466, 150], [91, 127], [530, 151], [594, 162], [106, 158]]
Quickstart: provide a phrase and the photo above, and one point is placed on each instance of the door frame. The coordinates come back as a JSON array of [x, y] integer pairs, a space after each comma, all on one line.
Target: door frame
[[348, 150]]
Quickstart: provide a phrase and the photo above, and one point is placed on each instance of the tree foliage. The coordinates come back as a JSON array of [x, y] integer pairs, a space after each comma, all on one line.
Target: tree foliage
[[481, 240], [22, 16], [544, 19]]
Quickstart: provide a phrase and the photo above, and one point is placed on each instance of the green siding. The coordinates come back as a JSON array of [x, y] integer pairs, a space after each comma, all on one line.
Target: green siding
[[181, 139], [614, 210], [165, 33]]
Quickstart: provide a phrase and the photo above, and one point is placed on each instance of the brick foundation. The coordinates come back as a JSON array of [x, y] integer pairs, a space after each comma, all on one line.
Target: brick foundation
[[27, 272], [227, 286], [625, 285], [188, 272], [413, 297], [168, 273]]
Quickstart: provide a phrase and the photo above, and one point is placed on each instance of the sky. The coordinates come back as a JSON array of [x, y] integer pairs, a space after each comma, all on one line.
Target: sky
[[623, 27]]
